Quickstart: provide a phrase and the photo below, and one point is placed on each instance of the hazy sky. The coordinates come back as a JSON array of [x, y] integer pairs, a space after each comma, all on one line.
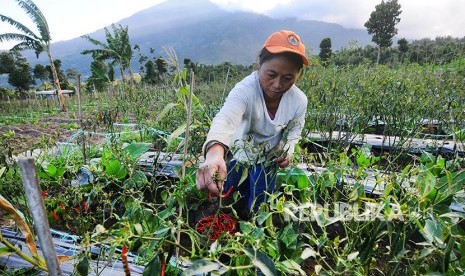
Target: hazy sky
[[69, 19]]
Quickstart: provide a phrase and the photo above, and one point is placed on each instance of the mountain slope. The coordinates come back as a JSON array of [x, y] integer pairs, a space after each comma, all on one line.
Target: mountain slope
[[201, 31]]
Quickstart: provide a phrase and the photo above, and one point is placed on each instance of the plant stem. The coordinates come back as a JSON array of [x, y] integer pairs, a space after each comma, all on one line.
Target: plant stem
[[36, 261]]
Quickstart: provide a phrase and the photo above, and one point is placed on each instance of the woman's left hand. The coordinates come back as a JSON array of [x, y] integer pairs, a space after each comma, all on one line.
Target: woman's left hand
[[283, 161]]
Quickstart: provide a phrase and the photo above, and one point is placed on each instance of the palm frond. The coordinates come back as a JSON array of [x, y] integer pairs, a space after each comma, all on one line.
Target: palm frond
[[94, 41], [15, 37], [18, 26], [29, 44], [101, 54], [37, 17], [25, 45], [99, 73]]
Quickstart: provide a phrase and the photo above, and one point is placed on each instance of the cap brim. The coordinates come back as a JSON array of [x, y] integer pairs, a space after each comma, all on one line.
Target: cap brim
[[281, 49]]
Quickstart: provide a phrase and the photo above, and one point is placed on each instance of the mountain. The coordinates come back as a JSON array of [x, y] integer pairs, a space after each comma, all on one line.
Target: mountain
[[205, 33]]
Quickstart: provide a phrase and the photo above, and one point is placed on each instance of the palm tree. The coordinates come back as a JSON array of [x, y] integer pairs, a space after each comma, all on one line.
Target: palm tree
[[31, 41], [117, 49]]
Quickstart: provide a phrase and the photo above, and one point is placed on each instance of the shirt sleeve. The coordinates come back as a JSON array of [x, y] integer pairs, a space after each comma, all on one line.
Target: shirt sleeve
[[293, 132], [228, 119]]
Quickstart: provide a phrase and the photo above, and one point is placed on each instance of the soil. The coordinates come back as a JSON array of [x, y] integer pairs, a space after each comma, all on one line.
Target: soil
[[28, 136], [48, 131]]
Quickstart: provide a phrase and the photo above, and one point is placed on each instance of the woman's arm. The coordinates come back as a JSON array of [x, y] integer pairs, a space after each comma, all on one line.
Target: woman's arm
[[212, 172]]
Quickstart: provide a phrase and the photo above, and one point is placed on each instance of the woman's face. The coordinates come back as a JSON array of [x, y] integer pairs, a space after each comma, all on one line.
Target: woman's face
[[277, 75]]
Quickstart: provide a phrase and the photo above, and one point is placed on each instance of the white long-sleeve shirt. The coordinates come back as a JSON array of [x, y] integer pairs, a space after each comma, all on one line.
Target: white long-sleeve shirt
[[244, 125]]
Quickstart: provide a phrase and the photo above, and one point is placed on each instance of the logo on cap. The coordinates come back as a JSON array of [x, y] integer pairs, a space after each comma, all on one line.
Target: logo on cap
[[293, 40]]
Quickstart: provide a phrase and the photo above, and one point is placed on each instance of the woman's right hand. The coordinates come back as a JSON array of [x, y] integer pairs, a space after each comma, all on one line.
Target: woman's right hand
[[212, 173]]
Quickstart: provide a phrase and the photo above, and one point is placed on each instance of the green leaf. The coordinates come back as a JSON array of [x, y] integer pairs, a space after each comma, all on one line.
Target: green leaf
[[2, 171], [291, 266], [139, 178], [135, 150], [427, 157], [113, 167], [245, 174], [83, 266], [288, 236], [138, 228], [5, 251], [200, 267], [433, 232], [153, 267], [51, 170], [60, 172], [262, 217], [165, 110], [162, 231], [175, 134], [245, 227], [262, 262], [96, 71], [425, 252], [303, 182], [352, 256], [307, 253], [121, 173]]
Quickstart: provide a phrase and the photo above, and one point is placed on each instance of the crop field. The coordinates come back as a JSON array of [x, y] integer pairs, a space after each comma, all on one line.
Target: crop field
[[117, 176]]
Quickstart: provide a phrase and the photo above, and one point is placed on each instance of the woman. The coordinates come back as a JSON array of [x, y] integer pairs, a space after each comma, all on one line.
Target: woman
[[258, 126]]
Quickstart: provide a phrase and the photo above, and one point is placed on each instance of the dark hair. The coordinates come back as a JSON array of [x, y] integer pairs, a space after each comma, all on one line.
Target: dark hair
[[266, 55]]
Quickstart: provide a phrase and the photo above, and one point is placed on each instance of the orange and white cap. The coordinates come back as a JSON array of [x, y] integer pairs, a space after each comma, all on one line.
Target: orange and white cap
[[286, 41]]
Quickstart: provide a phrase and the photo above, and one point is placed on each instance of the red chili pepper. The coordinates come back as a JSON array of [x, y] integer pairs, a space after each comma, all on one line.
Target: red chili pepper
[[228, 192], [86, 206], [214, 225], [163, 264], [44, 194], [124, 259], [55, 215], [62, 205]]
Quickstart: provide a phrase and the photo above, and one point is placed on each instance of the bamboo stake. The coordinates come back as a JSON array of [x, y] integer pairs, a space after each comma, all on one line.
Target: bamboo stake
[[78, 80], [37, 208], [78, 91], [186, 144], [225, 83]]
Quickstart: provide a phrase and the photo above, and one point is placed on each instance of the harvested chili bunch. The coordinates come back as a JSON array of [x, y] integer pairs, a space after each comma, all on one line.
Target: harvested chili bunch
[[216, 224]]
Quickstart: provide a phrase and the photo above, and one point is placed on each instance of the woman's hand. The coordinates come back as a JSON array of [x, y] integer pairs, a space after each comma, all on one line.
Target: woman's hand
[[283, 161], [212, 173]]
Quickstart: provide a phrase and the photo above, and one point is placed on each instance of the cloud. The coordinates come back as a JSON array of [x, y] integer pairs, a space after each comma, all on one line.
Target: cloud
[[419, 18], [258, 6]]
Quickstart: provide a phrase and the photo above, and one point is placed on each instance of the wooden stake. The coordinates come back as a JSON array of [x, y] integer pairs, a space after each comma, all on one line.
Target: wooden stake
[[186, 145], [78, 91], [37, 208]]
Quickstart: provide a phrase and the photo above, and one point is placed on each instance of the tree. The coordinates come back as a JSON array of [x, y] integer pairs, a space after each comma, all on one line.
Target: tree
[[72, 73], [7, 62], [21, 78], [99, 79], [382, 24], [150, 76], [60, 74], [325, 51], [117, 49], [31, 41], [41, 73], [161, 67], [18, 70], [403, 47]]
